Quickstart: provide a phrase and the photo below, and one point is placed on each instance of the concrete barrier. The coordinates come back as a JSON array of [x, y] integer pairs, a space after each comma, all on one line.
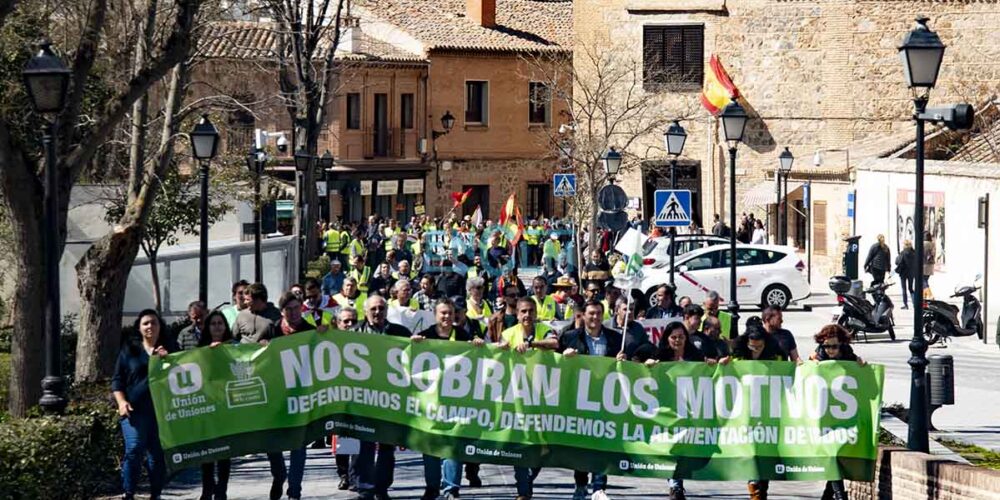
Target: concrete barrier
[[904, 475]]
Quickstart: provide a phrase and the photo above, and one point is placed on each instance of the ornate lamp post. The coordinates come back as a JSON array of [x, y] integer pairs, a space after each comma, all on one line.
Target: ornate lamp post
[[785, 160], [734, 122], [921, 52], [674, 139], [204, 147], [46, 80], [256, 160], [612, 163], [447, 122]]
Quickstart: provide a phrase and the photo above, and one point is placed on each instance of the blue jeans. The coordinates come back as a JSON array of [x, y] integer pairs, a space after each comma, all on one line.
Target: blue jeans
[[522, 254], [599, 483], [375, 473], [296, 467], [448, 481], [142, 441], [524, 477]]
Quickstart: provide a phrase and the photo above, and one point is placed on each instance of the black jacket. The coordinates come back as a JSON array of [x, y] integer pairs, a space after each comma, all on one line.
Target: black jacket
[[391, 329], [576, 339], [906, 263], [131, 374], [772, 350], [878, 258], [671, 311], [451, 284], [461, 334]]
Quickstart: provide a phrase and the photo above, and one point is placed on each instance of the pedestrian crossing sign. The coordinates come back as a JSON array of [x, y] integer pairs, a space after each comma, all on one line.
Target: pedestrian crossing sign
[[672, 207], [565, 185]]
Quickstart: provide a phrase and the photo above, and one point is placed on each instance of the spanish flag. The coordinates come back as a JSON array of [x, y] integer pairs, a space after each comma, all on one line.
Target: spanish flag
[[719, 88], [459, 197], [510, 217]]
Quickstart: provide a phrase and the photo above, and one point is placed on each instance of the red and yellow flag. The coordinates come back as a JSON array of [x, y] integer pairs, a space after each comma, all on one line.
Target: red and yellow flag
[[719, 88], [510, 217], [459, 197]]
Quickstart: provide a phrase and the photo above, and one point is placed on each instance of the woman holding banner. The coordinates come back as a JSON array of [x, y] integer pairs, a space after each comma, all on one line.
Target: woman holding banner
[[130, 387], [833, 344], [674, 346], [213, 486]]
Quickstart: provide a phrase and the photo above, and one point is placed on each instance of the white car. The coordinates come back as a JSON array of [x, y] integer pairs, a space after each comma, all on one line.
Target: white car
[[765, 275], [656, 251]]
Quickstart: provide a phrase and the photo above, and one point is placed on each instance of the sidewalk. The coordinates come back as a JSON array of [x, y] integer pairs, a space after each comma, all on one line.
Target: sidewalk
[[251, 479]]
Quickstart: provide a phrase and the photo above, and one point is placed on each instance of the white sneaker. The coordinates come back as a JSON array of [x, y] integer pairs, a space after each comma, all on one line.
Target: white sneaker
[[599, 495]]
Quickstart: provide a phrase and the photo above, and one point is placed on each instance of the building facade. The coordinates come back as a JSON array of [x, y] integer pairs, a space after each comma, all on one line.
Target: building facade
[[815, 76]]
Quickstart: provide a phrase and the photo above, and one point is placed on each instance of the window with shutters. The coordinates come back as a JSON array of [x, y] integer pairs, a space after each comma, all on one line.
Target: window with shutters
[[673, 57], [476, 102], [354, 111], [819, 227]]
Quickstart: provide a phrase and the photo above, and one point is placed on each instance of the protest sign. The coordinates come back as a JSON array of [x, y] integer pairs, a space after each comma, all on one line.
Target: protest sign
[[744, 420]]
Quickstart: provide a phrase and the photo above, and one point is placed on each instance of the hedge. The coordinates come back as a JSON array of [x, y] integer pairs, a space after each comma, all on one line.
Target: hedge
[[74, 456]]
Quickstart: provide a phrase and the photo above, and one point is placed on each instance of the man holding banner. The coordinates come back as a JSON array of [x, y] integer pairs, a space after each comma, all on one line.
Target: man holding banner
[[375, 473], [594, 339]]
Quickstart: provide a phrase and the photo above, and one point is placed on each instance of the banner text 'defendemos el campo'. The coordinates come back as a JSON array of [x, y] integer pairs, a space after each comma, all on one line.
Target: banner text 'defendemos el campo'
[[744, 420]]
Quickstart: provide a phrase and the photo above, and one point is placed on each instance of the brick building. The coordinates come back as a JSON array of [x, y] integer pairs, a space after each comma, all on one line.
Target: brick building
[[402, 65], [816, 75]]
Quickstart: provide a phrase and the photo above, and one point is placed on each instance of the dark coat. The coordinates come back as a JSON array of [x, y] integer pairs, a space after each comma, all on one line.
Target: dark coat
[[906, 263], [461, 334], [878, 258], [576, 339]]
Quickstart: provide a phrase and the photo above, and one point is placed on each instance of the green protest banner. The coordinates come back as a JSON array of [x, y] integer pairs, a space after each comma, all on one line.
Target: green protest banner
[[744, 420]]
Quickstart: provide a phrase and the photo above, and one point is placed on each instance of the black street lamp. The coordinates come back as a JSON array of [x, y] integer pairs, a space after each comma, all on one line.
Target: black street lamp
[[46, 79], [921, 53], [447, 122], [303, 160], [612, 163], [256, 160], [674, 139], [785, 160], [325, 163], [734, 122], [204, 147]]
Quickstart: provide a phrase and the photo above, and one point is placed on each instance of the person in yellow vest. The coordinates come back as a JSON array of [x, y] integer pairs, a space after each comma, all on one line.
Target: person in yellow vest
[[403, 271], [317, 308], [478, 306], [331, 239], [404, 296], [561, 296], [476, 269], [345, 242], [550, 251], [350, 296], [545, 305], [528, 333], [533, 236], [357, 247], [360, 272], [592, 292]]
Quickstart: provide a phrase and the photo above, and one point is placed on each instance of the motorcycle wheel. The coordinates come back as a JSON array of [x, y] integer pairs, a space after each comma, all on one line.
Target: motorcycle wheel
[[980, 330], [842, 321], [929, 335], [892, 334]]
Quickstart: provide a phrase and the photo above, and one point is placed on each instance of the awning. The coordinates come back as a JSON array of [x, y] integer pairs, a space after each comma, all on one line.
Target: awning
[[765, 193]]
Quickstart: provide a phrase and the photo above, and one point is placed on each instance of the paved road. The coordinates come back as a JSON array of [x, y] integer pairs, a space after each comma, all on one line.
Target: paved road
[[251, 480]]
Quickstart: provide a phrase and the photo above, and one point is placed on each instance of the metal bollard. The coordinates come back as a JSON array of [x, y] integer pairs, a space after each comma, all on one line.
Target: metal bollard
[[940, 383]]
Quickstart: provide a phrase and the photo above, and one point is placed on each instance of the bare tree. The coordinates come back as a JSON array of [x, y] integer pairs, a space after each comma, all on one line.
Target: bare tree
[[308, 34], [82, 129], [608, 107]]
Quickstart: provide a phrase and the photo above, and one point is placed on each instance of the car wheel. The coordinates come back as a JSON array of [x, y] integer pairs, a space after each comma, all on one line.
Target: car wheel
[[651, 297], [776, 295]]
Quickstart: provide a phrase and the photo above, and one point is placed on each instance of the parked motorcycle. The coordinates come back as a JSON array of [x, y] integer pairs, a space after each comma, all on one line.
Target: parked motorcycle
[[858, 315], [942, 320]]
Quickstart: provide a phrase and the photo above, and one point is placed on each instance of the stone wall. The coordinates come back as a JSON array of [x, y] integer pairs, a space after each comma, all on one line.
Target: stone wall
[[816, 74], [901, 474]]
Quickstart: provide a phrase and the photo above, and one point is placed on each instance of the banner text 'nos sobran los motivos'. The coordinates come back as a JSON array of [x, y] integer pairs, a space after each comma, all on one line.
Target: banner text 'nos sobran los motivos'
[[744, 420]]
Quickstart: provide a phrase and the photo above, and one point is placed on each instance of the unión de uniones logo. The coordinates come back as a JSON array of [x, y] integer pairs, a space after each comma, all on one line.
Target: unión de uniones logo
[[470, 450], [623, 464], [779, 468], [185, 379]]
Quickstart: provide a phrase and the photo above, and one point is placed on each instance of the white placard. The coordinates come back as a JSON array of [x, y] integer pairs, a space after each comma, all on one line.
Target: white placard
[[366, 188], [321, 188], [386, 188], [413, 186]]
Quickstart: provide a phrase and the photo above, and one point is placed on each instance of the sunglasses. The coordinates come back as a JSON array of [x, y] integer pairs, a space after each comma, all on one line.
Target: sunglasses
[[348, 321], [830, 347]]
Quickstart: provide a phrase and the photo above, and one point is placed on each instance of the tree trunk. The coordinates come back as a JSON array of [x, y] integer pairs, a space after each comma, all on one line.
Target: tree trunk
[[102, 275], [27, 342], [154, 273]]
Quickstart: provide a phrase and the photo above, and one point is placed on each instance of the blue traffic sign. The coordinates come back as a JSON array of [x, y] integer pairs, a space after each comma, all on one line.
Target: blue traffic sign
[[672, 208], [565, 185], [850, 205]]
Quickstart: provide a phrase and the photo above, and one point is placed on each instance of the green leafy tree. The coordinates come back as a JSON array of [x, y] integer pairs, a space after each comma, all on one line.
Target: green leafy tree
[[176, 210]]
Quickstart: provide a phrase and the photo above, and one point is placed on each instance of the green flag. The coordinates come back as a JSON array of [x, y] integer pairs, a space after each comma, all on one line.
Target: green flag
[[744, 420]]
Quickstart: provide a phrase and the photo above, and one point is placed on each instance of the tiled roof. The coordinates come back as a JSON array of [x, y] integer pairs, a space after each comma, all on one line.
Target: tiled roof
[[257, 40], [521, 25]]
